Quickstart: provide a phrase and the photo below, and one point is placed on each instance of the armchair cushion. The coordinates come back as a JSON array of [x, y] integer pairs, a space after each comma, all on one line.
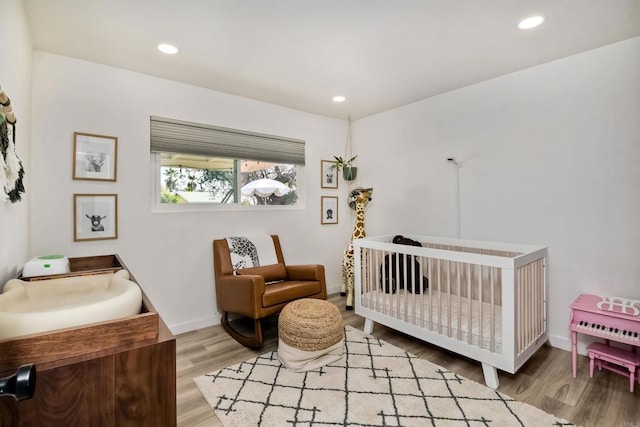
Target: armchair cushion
[[271, 273], [283, 292], [305, 272]]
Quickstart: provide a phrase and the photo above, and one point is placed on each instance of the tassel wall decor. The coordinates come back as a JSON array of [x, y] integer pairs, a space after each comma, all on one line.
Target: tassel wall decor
[[11, 169]]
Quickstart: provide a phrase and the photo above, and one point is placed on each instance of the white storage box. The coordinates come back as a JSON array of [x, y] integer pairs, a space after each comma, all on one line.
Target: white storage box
[[45, 265]]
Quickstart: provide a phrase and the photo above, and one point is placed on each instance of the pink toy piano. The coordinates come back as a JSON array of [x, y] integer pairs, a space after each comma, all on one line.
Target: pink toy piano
[[609, 318]]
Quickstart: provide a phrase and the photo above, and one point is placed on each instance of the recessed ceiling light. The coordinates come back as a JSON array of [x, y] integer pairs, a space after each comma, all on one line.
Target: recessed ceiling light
[[531, 22], [169, 49], [339, 98]]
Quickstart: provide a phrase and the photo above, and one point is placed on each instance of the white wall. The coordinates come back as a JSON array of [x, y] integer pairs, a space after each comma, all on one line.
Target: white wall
[[15, 78], [169, 253], [550, 157]]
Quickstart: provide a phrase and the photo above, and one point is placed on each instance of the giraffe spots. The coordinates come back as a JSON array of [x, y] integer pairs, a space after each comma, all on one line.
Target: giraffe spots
[[358, 200]]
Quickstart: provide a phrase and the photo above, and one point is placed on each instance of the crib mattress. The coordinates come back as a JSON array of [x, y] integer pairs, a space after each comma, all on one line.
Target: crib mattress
[[441, 312]]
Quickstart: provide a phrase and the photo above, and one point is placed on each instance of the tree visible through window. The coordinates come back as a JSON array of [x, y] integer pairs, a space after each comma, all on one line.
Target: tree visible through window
[[196, 179]]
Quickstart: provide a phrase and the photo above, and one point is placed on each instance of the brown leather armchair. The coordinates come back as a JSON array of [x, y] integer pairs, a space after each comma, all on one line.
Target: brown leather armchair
[[258, 292]]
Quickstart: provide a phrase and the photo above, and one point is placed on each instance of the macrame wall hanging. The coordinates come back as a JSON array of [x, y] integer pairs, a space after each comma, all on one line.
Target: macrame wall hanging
[[11, 170]]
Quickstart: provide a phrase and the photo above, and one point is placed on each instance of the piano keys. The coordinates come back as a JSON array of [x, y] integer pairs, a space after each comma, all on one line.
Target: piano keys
[[610, 325], [610, 331]]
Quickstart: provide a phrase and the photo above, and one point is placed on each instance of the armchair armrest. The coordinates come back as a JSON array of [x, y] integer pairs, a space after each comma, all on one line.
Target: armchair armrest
[[233, 293], [306, 272]]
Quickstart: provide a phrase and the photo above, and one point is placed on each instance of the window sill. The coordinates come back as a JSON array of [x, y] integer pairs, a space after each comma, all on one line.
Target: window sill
[[212, 207]]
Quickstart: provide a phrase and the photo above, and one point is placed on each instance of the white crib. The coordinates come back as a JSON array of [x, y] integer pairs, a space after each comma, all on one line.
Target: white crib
[[485, 300]]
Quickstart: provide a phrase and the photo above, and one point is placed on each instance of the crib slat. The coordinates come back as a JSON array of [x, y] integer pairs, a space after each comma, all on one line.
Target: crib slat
[[379, 278], [469, 309], [421, 320], [526, 312], [459, 301], [381, 298], [480, 311], [534, 294], [439, 273], [530, 312], [366, 267], [538, 299], [434, 283], [409, 301], [411, 296], [529, 303], [412, 275], [519, 322], [527, 308], [396, 310], [492, 342], [448, 298], [387, 301], [532, 302], [375, 257]]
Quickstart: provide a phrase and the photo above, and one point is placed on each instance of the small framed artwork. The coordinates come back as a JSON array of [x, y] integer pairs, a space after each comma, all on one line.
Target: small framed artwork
[[95, 217], [95, 157], [329, 174], [329, 210]]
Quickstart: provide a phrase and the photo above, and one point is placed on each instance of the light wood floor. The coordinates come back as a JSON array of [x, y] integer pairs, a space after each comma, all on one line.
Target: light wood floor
[[545, 381]]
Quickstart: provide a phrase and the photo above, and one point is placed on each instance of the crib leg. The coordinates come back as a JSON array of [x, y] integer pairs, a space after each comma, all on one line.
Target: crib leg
[[368, 326], [490, 376]]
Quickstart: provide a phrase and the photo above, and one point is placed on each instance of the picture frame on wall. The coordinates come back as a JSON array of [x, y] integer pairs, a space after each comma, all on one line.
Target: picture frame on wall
[[95, 217], [328, 210], [328, 174], [95, 157]]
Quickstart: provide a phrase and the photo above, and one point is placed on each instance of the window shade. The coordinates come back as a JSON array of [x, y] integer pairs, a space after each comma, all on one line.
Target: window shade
[[176, 136]]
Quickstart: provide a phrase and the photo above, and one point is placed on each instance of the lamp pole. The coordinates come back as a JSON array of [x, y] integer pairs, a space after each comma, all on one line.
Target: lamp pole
[[457, 165]]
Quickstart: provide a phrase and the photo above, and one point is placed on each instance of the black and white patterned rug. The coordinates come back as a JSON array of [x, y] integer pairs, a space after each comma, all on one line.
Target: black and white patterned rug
[[374, 384]]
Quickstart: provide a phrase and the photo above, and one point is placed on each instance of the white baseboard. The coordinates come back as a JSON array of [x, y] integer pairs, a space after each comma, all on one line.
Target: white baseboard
[[334, 289], [558, 341], [564, 342], [192, 325]]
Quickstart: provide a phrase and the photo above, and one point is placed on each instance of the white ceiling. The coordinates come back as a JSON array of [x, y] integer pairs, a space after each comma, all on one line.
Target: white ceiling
[[380, 54]]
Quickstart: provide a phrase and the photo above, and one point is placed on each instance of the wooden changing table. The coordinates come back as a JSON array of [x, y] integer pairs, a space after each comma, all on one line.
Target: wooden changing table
[[114, 373]]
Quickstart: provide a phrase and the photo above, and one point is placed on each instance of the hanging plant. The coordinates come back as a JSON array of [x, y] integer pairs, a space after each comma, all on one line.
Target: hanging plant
[[349, 171]]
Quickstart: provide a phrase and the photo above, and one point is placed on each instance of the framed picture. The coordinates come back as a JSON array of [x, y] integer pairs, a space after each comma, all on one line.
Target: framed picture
[[95, 217], [329, 210], [328, 175], [95, 157]]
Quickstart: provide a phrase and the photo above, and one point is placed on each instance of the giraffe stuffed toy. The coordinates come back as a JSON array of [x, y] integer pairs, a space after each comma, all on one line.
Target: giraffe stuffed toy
[[358, 200]]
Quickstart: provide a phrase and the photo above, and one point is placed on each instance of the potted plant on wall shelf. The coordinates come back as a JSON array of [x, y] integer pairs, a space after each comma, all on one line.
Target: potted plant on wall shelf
[[349, 171]]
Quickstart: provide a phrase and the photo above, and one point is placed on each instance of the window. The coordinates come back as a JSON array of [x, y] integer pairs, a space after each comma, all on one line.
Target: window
[[202, 164]]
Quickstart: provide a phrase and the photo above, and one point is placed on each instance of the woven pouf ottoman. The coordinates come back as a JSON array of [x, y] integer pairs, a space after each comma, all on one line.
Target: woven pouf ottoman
[[310, 334]]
